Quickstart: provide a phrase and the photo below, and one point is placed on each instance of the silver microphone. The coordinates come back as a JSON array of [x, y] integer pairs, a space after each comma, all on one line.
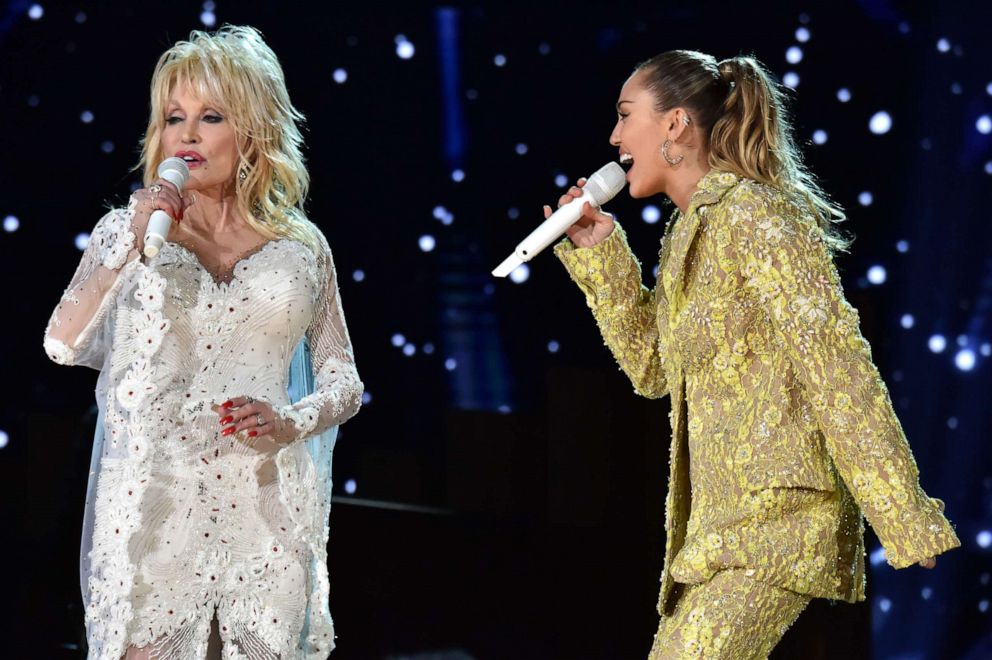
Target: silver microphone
[[600, 188], [175, 171]]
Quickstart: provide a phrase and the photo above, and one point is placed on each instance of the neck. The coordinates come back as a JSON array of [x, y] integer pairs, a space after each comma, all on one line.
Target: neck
[[685, 179], [214, 212]]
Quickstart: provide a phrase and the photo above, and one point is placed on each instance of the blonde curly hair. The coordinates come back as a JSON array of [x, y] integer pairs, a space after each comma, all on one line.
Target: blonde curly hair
[[236, 71]]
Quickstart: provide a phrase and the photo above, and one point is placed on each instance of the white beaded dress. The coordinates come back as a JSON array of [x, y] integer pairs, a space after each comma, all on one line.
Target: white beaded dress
[[185, 526]]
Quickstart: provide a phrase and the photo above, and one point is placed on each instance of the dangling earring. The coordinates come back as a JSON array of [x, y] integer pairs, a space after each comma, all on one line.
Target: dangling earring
[[243, 173], [664, 152]]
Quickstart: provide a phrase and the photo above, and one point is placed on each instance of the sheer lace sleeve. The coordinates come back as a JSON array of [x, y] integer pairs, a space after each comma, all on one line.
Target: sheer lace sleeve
[[338, 390], [625, 310], [787, 264], [75, 333]]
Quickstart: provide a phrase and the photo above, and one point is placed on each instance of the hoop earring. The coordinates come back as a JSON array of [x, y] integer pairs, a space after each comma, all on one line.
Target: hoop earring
[[664, 152]]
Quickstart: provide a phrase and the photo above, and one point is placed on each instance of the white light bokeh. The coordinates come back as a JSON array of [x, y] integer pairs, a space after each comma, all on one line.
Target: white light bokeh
[[865, 198], [988, 89], [937, 343], [802, 35], [86, 117], [208, 18], [843, 95], [521, 148], [451, 364], [794, 55], [877, 556], [82, 240], [520, 274], [880, 123], [907, 321], [426, 243], [965, 359], [943, 45], [902, 246], [884, 604], [984, 124], [351, 486], [983, 605], [11, 224], [962, 340], [983, 539], [651, 214], [986, 350], [988, 167], [35, 12], [561, 180], [458, 175], [443, 215], [358, 275], [398, 340], [790, 79], [500, 59], [819, 136], [404, 47], [553, 346], [877, 274], [340, 76], [504, 409], [409, 350], [4, 439], [366, 398]]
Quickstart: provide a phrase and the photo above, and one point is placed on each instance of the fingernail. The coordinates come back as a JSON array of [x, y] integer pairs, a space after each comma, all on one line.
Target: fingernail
[[227, 420], [227, 404], [228, 431], [252, 434]]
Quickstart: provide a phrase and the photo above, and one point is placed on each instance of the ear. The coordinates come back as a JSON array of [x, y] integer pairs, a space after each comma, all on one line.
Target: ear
[[676, 122]]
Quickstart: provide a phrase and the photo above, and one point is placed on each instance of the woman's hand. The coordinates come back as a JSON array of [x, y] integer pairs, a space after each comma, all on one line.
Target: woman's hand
[[929, 563], [255, 418], [160, 195], [592, 227]]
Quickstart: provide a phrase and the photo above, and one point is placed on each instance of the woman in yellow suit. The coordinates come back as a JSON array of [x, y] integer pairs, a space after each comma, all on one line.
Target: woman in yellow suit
[[783, 433]]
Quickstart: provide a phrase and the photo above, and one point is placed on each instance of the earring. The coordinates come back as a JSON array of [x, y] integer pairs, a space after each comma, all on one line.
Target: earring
[[664, 152], [243, 173], [685, 120]]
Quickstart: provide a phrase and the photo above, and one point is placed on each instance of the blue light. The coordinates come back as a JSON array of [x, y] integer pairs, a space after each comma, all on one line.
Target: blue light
[[504, 409], [440, 212], [984, 539], [986, 350], [962, 340], [458, 175], [358, 275], [208, 18], [884, 604], [35, 12], [404, 48], [952, 423], [409, 350], [4, 439], [819, 136], [907, 321], [499, 60], [843, 95], [926, 592], [340, 76], [877, 556], [451, 364], [651, 214], [520, 274], [865, 198], [351, 486], [553, 346], [794, 55], [513, 213], [81, 17], [983, 605], [426, 243], [11, 224], [877, 274], [82, 240], [428, 348], [880, 123], [86, 117], [521, 149], [107, 147], [988, 167], [902, 246], [984, 124], [544, 48], [943, 45], [965, 359], [802, 35], [398, 340], [561, 180], [366, 398], [937, 343], [988, 89], [790, 79]]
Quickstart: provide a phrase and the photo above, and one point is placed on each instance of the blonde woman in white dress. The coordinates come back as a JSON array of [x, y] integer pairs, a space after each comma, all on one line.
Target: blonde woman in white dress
[[206, 524]]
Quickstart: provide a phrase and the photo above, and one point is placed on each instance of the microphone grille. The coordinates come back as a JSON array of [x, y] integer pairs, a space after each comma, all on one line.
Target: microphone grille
[[606, 182], [174, 164]]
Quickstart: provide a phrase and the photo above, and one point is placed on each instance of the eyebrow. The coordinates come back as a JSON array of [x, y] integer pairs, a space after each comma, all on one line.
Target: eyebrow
[[619, 103]]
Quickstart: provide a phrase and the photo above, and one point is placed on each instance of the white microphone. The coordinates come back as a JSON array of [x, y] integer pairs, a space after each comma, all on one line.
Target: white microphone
[[175, 171], [600, 188]]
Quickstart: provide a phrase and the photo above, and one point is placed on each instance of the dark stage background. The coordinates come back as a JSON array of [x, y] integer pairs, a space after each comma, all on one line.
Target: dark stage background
[[501, 493]]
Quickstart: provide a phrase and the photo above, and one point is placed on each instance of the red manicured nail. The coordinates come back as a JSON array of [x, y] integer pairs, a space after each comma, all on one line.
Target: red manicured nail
[[252, 434], [228, 431], [227, 404], [227, 420]]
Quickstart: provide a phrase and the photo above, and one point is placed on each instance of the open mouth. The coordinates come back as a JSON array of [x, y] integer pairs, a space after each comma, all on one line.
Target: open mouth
[[626, 161]]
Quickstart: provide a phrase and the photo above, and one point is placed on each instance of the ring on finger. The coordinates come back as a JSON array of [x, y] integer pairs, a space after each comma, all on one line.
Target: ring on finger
[[259, 420]]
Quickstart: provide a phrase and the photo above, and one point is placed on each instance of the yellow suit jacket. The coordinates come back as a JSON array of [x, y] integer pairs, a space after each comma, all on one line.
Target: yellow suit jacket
[[783, 433]]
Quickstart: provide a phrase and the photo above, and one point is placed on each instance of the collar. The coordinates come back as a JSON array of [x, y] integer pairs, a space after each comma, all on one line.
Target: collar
[[711, 188]]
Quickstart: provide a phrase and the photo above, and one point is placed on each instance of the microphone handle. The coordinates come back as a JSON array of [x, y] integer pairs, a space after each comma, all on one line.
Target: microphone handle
[[551, 229], [160, 222]]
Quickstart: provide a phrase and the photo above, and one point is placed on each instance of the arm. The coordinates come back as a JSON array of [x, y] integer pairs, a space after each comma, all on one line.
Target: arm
[[338, 390], [787, 265], [74, 335], [625, 310]]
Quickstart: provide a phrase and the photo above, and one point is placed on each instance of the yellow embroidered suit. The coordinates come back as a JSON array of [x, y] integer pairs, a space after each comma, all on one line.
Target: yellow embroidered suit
[[783, 433]]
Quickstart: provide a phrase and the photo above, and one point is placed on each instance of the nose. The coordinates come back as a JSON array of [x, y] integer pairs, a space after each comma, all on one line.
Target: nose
[[191, 134], [615, 135]]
